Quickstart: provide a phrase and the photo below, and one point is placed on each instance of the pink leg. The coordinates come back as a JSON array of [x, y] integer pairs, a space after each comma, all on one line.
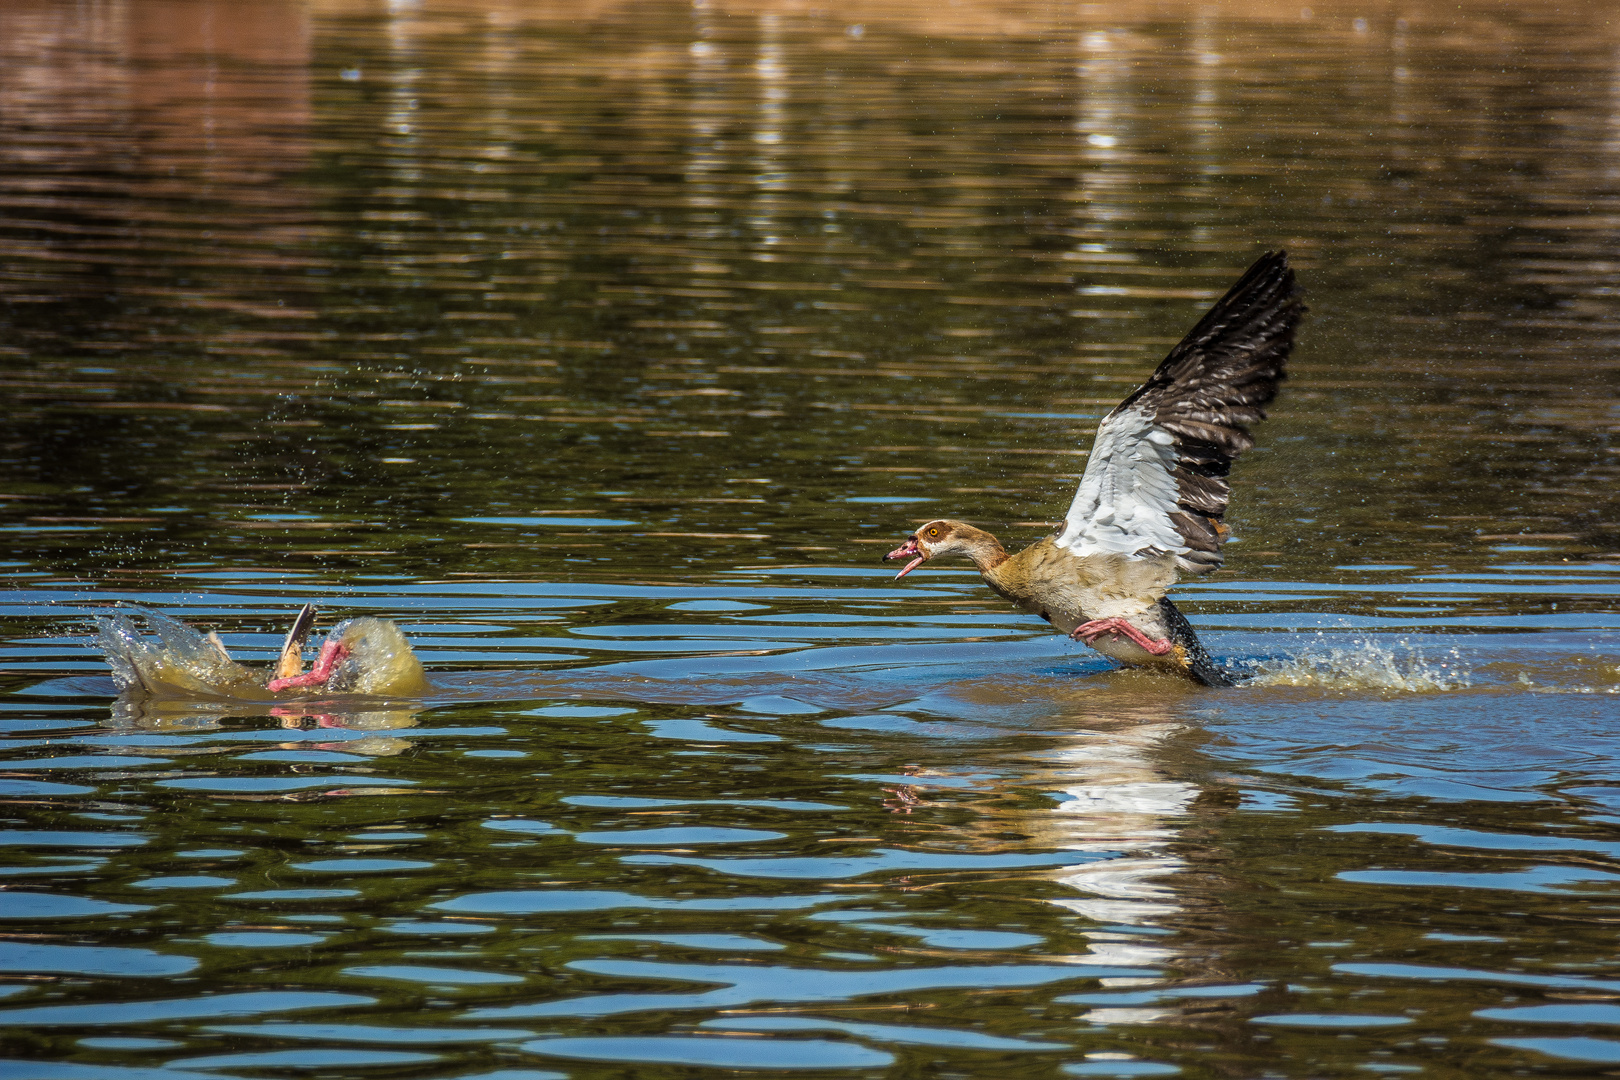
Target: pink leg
[[332, 654], [1090, 631]]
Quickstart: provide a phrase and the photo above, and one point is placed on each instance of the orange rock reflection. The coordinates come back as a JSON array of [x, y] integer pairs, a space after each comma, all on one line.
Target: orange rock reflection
[[211, 91]]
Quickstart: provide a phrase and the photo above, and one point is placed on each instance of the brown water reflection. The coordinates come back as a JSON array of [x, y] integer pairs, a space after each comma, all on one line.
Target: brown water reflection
[[717, 269], [607, 346]]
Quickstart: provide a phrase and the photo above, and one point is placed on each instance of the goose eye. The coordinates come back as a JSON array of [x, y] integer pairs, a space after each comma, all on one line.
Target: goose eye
[[933, 532]]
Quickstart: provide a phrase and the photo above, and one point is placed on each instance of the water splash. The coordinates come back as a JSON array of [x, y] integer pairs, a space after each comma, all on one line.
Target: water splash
[[1364, 665], [380, 661], [179, 662]]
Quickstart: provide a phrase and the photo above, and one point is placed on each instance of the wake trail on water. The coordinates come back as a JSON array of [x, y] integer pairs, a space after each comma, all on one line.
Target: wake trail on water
[[1364, 665]]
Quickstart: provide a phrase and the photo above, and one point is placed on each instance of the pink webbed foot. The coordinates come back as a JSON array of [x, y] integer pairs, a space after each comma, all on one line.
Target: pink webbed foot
[[1089, 632], [333, 653]]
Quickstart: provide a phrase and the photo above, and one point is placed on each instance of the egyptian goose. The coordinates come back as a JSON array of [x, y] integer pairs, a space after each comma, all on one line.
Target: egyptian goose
[[365, 655], [360, 656], [1154, 491]]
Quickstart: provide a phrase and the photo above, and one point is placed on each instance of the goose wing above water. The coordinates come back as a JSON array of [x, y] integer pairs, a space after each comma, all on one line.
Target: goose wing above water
[[1155, 483]]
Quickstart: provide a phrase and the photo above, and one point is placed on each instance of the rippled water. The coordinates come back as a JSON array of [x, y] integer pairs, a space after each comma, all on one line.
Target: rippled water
[[606, 347]]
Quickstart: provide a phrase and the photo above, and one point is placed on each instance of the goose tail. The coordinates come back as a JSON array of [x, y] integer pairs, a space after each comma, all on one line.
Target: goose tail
[[1199, 664]]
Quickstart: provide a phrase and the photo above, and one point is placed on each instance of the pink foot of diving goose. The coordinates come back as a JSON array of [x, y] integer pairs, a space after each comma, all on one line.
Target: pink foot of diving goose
[[365, 656], [1154, 491], [360, 656]]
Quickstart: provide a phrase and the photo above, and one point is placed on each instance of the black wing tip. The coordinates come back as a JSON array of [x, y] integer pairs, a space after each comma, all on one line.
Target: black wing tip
[[303, 622], [1264, 302], [1271, 260], [1269, 276]]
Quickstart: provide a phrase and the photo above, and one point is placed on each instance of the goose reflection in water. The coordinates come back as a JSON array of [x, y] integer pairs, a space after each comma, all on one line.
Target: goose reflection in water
[[1117, 797], [182, 715], [1110, 772]]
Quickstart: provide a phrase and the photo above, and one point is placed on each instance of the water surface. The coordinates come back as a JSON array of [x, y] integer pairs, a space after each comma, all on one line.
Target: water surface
[[606, 349]]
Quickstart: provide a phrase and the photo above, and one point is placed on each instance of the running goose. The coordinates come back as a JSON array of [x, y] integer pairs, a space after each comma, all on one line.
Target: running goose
[[1154, 491]]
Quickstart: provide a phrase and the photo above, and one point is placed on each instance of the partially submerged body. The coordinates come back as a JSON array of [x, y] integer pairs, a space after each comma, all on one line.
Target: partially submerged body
[[179, 662], [363, 656], [1071, 593], [1114, 603]]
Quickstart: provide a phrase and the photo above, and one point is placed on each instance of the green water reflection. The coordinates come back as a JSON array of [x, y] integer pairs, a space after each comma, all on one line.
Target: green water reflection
[[717, 273]]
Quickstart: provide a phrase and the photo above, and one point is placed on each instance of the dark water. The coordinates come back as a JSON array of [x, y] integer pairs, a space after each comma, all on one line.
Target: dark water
[[606, 347]]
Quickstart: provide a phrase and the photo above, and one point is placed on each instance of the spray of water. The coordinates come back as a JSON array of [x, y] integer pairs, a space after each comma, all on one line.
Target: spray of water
[[179, 662], [1364, 665]]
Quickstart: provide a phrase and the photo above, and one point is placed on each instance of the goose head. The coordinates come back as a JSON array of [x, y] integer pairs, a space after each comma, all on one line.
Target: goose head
[[944, 537]]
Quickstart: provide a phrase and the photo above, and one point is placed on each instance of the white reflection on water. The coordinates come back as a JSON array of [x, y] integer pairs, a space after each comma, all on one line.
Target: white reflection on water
[[768, 164], [1117, 798]]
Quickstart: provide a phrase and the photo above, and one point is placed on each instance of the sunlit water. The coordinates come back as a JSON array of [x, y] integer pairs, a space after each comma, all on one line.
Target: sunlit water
[[606, 348]]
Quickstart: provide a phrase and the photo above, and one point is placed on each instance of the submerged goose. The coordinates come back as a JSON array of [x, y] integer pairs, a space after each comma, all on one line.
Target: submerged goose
[[359, 656], [1154, 491], [366, 656]]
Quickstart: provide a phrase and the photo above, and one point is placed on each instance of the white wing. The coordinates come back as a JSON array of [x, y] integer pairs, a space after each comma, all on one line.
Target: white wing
[[1128, 492], [1156, 481]]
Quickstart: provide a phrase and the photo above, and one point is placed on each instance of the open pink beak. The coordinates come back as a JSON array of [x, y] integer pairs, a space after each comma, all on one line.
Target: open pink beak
[[908, 548], [333, 653]]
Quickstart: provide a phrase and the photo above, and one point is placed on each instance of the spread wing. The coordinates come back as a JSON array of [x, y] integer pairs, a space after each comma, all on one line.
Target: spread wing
[[1155, 483]]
